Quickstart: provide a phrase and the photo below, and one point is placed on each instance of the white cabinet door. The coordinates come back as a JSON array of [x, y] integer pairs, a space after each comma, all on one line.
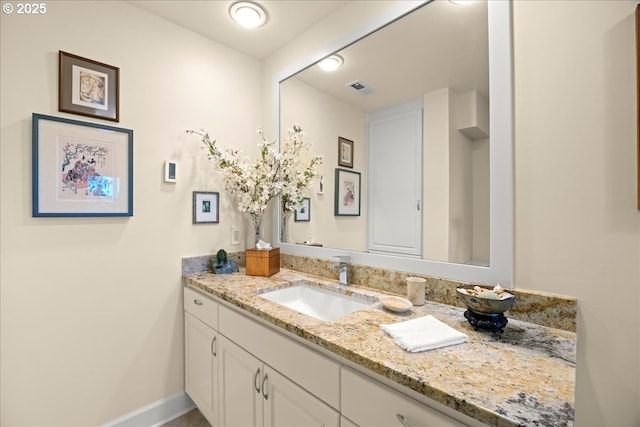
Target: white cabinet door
[[288, 405], [395, 179], [240, 383], [201, 366], [315, 372], [371, 404]]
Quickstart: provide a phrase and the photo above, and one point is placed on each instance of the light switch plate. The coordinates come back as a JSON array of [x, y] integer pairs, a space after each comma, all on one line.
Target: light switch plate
[[170, 171], [235, 236]]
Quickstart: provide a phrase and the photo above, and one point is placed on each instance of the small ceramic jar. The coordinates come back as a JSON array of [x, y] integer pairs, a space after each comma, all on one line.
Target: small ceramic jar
[[415, 290]]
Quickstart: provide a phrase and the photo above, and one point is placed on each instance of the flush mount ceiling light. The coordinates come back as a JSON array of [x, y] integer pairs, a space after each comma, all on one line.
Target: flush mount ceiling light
[[331, 63], [247, 14]]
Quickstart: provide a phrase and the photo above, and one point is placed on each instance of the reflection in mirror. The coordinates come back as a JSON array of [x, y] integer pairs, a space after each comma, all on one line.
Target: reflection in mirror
[[414, 99], [500, 183]]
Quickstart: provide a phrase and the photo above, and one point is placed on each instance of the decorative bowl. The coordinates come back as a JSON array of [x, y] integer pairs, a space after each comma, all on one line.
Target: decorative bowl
[[488, 306]]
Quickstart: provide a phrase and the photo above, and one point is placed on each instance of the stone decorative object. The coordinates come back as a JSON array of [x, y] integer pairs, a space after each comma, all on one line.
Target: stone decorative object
[[485, 307], [222, 265], [486, 301]]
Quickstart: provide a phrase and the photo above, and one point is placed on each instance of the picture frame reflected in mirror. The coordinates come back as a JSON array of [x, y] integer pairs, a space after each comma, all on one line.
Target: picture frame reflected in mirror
[[345, 152], [303, 213], [347, 193]]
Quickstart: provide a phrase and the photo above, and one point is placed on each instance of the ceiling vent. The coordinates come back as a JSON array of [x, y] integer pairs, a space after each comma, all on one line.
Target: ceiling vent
[[361, 87]]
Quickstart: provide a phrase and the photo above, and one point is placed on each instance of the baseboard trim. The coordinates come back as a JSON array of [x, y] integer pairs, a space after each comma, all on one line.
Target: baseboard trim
[[157, 413]]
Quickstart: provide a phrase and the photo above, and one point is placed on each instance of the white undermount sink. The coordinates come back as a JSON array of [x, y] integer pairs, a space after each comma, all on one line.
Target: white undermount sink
[[319, 303]]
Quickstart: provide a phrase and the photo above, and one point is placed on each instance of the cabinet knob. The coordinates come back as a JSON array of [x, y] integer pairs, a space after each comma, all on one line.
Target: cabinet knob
[[264, 390], [255, 381], [403, 420], [198, 302]]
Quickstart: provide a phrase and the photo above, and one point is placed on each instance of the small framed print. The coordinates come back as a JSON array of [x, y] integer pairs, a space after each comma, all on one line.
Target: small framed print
[[81, 169], [347, 194], [304, 212], [345, 152], [206, 209], [88, 88]]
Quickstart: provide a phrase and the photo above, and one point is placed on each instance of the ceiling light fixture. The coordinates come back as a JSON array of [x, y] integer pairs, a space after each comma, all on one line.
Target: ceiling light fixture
[[331, 63], [247, 14], [462, 2]]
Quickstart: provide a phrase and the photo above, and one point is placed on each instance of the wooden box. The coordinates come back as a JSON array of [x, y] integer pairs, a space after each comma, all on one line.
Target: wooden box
[[262, 263]]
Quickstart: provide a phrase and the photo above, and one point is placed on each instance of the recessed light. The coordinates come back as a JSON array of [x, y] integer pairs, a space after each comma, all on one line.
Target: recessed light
[[331, 63], [462, 2], [247, 14]]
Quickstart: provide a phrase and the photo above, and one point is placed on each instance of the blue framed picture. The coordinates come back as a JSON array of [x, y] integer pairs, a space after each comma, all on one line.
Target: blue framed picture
[[81, 169]]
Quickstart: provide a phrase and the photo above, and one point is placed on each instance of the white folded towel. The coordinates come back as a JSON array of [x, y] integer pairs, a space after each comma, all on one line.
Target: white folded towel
[[423, 333]]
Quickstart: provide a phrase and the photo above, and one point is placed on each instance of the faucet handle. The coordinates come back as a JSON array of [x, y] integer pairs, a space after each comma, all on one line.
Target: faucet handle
[[344, 259]]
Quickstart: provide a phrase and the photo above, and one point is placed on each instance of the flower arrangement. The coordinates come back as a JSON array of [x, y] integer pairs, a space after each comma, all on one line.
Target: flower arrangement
[[295, 174], [273, 173]]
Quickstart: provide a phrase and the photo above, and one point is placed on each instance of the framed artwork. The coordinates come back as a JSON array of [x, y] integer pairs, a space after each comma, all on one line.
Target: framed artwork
[[345, 152], [347, 194], [80, 168], [206, 207], [88, 87], [304, 212]]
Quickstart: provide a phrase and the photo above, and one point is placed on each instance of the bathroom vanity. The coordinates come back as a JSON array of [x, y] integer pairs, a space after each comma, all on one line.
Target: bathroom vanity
[[250, 361]]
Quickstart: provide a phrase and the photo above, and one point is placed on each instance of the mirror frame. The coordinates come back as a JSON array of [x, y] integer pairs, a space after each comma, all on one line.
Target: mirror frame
[[500, 269]]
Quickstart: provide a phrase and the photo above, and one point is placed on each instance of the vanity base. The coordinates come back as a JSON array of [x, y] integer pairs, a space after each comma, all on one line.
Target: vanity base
[[486, 322]]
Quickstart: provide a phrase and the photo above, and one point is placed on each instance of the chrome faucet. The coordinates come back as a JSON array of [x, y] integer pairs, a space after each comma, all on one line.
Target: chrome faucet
[[343, 266]]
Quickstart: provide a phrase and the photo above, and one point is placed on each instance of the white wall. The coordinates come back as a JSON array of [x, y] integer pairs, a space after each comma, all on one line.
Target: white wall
[[323, 118], [577, 227], [460, 222], [436, 161], [85, 351], [480, 161], [91, 315]]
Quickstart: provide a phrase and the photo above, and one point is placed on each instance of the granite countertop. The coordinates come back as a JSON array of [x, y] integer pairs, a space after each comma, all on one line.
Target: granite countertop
[[524, 376]]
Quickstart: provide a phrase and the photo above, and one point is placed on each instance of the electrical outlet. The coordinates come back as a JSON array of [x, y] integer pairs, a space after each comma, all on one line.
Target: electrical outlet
[[235, 236]]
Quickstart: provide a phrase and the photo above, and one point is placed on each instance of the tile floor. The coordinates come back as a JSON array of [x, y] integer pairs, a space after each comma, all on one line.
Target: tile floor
[[191, 419]]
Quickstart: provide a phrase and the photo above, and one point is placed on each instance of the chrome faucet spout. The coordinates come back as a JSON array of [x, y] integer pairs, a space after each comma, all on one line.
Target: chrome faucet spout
[[343, 266]]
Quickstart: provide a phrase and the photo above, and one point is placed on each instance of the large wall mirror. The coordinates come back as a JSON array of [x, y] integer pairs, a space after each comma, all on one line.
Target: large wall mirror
[[424, 95]]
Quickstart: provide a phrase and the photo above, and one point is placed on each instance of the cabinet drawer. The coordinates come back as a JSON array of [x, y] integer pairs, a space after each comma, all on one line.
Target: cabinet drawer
[[201, 306], [308, 368], [369, 403]]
